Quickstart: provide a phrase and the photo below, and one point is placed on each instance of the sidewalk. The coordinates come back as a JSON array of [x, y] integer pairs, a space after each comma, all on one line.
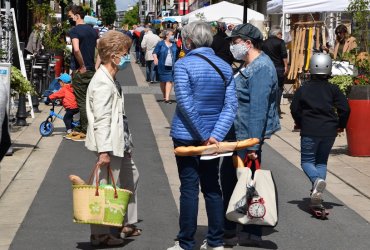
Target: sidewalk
[[348, 177]]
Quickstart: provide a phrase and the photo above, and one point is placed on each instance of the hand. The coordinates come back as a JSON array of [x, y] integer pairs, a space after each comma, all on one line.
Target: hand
[[82, 69], [210, 141], [285, 70], [104, 159], [155, 61], [252, 154]]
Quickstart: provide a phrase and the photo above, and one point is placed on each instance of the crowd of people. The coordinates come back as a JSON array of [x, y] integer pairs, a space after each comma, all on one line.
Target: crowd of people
[[215, 103]]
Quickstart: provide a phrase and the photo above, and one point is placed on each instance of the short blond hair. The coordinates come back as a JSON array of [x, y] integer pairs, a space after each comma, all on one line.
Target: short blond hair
[[113, 42]]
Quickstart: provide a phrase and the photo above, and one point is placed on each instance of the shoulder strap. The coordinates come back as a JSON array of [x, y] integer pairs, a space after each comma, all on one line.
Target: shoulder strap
[[214, 66]]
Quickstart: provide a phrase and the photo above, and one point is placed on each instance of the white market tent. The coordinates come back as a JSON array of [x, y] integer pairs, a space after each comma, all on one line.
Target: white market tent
[[223, 11], [299, 6]]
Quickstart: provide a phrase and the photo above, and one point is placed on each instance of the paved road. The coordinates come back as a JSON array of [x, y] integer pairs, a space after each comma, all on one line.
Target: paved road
[[48, 224]]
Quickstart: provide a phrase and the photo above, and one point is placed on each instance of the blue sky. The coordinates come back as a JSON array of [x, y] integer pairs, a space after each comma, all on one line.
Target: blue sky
[[123, 4]]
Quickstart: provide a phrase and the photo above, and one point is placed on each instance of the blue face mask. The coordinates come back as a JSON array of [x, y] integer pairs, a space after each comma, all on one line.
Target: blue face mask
[[185, 49], [125, 60]]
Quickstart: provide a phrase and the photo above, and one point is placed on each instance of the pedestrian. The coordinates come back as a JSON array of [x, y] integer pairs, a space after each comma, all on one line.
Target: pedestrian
[[321, 111], [84, 40], [206, 109], [5, 141], [164, 55], [148, 44], [344, 42], [68, 101], [220, 45], [257, 117], [108, 134], [275, 48]]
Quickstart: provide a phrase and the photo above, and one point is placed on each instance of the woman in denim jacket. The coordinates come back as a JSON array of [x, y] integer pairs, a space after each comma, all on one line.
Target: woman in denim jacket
[[206, 109], [164, 55], [257, 116]]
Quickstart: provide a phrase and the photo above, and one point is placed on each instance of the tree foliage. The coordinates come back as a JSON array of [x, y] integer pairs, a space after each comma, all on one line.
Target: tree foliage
[[132, 16], [108, 11]]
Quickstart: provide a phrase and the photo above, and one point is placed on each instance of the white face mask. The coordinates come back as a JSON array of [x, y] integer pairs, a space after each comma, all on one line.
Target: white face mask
[[239, 51], [68, 40]]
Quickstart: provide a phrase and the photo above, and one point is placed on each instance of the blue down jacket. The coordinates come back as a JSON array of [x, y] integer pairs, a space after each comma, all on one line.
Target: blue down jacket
[[205, 106]]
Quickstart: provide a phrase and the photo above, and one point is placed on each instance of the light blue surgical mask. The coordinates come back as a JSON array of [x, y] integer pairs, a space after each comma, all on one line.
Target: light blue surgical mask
[[125, 60], [172, 38], [185, 49]]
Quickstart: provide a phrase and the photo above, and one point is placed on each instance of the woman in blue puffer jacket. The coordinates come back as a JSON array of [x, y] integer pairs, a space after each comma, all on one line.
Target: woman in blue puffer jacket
[[206, 109]]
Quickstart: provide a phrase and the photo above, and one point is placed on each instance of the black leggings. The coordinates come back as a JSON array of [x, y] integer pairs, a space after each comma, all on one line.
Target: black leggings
[[68, 117]]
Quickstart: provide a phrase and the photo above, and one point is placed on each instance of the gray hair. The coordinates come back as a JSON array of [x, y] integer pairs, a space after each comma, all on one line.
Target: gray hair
[[275, 31], [166, 32], [199, 33]]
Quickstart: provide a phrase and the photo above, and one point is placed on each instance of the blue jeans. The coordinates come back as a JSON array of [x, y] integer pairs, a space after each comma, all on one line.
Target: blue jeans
[[150, 73], [314, 155], [193, 171]]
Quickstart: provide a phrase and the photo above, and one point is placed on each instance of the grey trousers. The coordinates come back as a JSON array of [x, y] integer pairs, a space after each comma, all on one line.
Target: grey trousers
[[126, 175]]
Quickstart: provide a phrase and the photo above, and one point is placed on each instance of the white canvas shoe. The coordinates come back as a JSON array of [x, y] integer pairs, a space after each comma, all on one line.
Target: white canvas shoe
[[176, 246], [205, 246], [318, 189]]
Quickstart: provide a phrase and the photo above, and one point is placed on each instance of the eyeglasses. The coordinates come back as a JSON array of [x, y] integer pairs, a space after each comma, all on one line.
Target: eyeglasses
[[119, 56]]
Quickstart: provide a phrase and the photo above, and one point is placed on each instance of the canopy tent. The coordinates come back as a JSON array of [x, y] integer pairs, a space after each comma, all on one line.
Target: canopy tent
[[222, 11], [172, 19], [299, 6]]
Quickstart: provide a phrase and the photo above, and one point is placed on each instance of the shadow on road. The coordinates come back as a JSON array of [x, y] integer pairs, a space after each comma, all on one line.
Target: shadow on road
[[264, 244], [88, 246], [304, 204]]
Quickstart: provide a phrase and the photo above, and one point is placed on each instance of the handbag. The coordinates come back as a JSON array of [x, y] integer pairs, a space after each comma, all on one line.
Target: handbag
[[101, 205], [254, 200]]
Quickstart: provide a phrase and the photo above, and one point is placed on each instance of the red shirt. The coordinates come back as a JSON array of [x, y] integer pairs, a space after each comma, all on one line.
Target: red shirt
[[67, 96]]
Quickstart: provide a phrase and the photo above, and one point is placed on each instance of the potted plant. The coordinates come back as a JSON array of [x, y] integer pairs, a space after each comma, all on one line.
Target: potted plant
[[22, 86]]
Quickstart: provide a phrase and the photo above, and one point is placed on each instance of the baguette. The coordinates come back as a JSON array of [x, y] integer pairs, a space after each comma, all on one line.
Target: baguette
[[76, 180], [222, 147]]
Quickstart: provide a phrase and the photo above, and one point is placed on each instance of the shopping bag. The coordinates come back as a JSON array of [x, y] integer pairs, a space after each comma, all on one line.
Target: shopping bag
[[254, 201], [102, 205]]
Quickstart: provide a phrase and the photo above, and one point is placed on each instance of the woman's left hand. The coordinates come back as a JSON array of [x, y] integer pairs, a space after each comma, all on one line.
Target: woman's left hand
[[104, 159], [210, 141]]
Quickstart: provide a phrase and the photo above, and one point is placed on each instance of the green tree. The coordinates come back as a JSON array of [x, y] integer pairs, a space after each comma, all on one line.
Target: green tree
[[132, 16], [108, 11]]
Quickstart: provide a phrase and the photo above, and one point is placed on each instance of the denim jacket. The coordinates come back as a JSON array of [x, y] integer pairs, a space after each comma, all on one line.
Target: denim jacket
[[161, 50], [256, 88]]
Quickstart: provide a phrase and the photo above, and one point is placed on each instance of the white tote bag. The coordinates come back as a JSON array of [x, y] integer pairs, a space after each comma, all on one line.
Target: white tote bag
[[258, 208]]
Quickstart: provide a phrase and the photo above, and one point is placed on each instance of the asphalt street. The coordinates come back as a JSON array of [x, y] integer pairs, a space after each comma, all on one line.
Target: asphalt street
[[48, 223]]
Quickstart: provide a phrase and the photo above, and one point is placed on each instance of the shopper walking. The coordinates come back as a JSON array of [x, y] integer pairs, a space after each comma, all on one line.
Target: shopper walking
[[164, 56], [108, 134], [148, 44]]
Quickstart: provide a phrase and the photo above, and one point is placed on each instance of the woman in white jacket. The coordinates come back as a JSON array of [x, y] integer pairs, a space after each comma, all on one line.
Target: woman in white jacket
[[107, 132]]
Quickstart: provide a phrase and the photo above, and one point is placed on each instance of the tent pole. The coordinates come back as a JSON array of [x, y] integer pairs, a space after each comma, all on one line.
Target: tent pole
[[245, 13]]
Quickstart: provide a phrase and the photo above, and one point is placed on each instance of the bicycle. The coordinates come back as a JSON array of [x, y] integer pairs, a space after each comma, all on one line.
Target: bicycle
[[47, 127]]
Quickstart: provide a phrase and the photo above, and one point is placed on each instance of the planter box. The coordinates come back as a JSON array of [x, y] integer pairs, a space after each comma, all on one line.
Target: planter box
[[358, 126]]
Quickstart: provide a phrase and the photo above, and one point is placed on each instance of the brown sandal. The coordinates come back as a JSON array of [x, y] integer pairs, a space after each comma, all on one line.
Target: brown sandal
[[130, 230], [105, 240]]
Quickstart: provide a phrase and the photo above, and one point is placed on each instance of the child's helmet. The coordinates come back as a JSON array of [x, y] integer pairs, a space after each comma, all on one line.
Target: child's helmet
[[320, 64]]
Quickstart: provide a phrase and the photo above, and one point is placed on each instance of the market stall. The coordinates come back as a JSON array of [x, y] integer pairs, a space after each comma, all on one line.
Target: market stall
[[223, 11]]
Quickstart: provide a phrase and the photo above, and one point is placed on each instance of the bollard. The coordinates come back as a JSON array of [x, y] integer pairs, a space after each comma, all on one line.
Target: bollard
[[21, 112]]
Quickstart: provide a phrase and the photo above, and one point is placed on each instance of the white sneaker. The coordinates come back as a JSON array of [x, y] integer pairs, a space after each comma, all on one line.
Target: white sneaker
[[176, 246], [205, 246], [318, 189]]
